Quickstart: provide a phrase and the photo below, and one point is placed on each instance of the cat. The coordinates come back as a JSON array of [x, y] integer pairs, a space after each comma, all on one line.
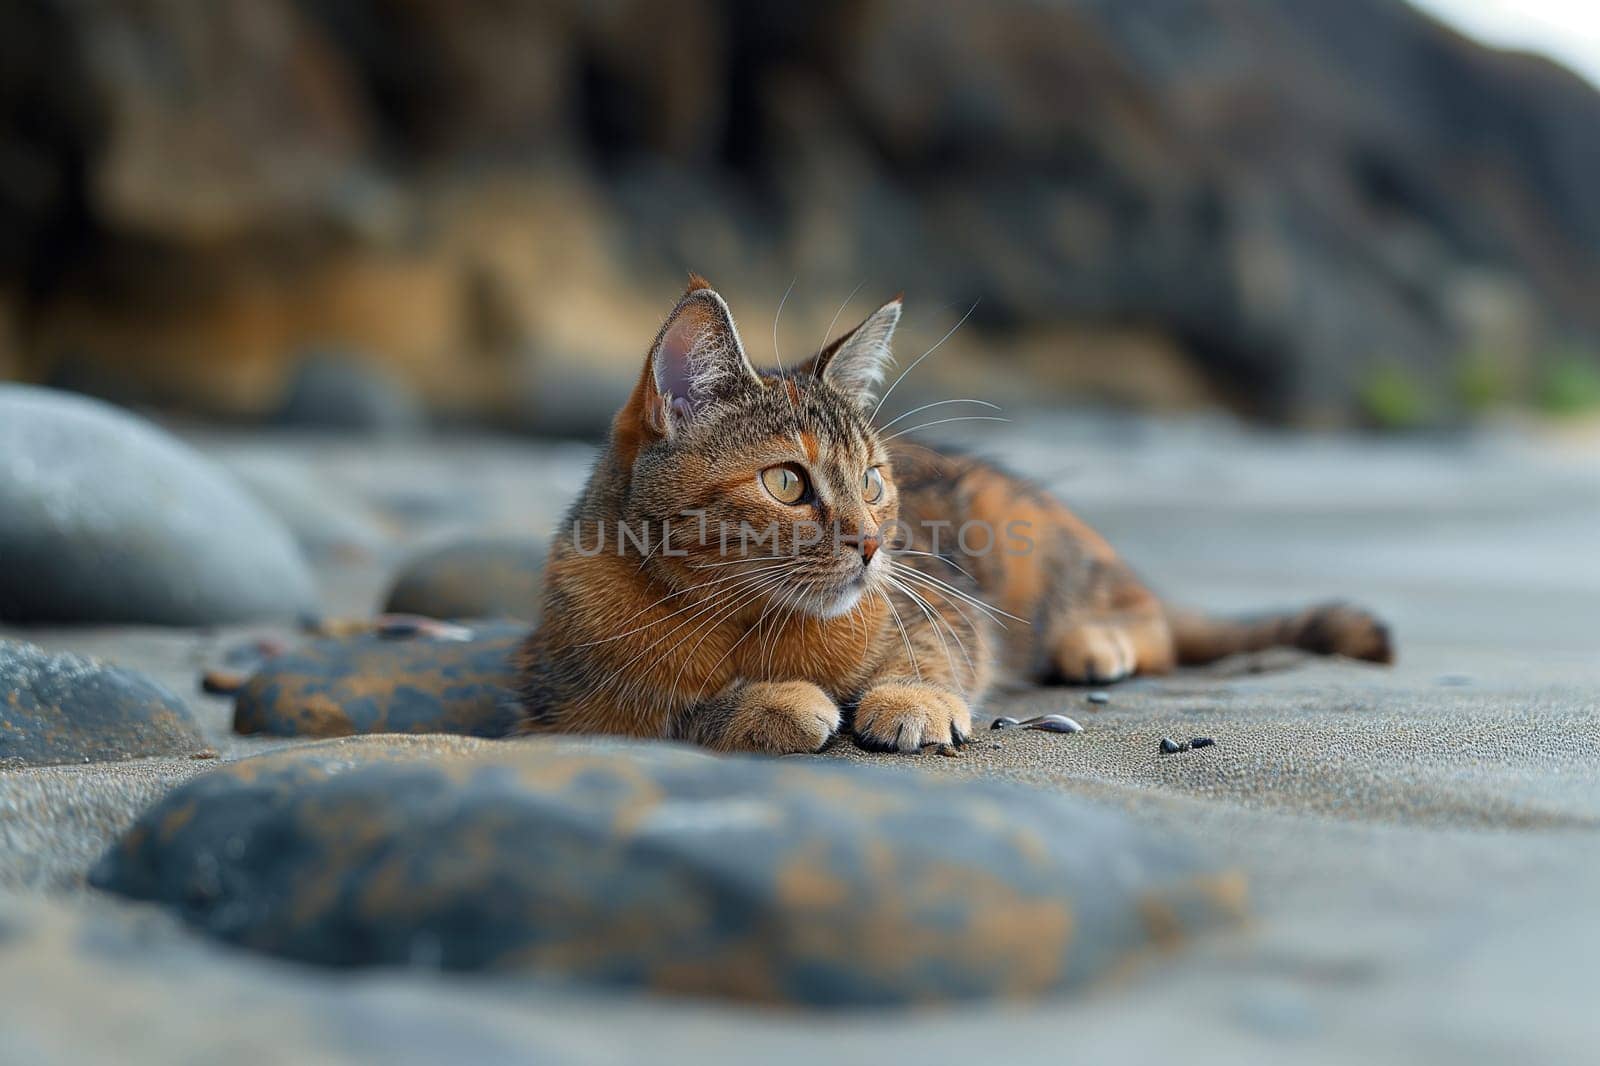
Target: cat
[[752, 566]]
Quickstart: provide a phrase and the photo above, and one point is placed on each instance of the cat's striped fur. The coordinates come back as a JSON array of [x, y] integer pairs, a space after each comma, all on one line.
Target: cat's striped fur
[[773, 646]]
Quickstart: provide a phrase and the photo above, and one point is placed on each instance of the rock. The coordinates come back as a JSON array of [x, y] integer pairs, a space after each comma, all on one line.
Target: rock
[[222, 682], [407, 626], [326, 523], [337, 391], [482, 578], [1054, 723], [60, 708], [653, 867], [371, 683], [1356, 211], [1169, 746], [106, 518], [1003, 723], [1099, 698]]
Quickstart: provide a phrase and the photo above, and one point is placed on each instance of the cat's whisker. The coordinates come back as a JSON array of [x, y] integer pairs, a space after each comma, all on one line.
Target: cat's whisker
[[947, 624], [711, 628], [778, 315], [788, 612], [659, 545], [741, 559], [770, 642], [688, 589], [942, 421], [929, 615], [669, 596], [992, 611], [937, 403], [972, 670], [932, 555], [718, 597], [959, 607], [962, 613], [913, 365], [905, 639], [829, 331], [723, 658], [708, 624], [989, 609], [783, 372]]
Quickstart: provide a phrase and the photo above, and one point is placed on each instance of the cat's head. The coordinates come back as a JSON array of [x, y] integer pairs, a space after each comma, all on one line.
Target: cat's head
[[773, 482]]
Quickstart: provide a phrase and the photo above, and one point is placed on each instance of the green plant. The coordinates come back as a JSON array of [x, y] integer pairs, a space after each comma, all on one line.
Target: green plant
[[1569, 385], [1391, 397], [1482, 383]]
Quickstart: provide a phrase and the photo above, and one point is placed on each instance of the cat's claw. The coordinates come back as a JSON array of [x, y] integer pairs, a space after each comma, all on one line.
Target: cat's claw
[[907, 716], [781, 718]]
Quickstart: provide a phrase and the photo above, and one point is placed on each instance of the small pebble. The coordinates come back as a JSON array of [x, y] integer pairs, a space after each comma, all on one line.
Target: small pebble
[[403, 626], [1003, 723], [398, 628], [949, 751], [1201, 742], [1053, 723], [222, 682], [1098, 697], [206, 753], [1172, 747], [336, 627]]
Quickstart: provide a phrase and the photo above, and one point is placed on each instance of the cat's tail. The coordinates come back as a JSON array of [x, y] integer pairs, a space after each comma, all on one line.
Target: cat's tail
[[1325, 629]]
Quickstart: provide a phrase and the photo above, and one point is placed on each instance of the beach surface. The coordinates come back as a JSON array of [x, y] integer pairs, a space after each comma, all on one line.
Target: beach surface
[[1422, 842]]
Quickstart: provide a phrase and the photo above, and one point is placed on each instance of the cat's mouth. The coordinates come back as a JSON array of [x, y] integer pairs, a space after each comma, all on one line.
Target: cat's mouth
[[842, 601], [843, 597]]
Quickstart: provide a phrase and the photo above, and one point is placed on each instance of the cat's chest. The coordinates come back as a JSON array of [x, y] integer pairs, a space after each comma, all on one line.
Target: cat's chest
[[835, 655]]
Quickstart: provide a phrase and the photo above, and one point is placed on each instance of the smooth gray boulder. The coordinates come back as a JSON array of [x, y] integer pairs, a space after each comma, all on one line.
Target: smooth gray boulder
[[342, 392], [104, 517], [483, 577]]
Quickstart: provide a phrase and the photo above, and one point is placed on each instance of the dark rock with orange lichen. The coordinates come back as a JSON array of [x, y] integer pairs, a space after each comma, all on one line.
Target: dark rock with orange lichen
[[371, 683], [653, 867], [481, 578], [68, 709]]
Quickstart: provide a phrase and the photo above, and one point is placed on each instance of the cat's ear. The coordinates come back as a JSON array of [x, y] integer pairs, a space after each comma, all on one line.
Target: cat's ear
[[696, 362], [857, 362]]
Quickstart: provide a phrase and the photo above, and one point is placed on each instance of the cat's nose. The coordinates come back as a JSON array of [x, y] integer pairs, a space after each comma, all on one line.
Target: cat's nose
[[866, 543]]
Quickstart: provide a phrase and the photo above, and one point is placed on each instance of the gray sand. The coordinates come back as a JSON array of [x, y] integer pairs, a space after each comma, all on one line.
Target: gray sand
[[1422, 841]]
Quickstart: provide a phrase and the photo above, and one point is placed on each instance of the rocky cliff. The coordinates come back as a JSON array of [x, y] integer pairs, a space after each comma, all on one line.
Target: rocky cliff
[[1263, 202]]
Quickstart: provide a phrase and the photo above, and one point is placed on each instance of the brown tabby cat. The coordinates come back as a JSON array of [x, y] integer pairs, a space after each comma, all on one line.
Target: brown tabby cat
[[751, 559]]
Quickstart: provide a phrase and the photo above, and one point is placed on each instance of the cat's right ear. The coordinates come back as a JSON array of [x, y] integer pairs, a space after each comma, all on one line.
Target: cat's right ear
[[696, 363]]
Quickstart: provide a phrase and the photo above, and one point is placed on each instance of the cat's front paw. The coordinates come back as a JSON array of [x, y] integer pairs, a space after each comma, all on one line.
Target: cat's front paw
[[905, 715], [780, 718]]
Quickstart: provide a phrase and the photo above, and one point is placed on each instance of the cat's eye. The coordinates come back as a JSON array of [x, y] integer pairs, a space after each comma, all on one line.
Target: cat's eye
[[872, 486], [787, 484]]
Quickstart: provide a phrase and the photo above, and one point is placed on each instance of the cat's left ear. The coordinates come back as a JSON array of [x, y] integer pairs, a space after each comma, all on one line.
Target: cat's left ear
[[696, 362], [857, 362]]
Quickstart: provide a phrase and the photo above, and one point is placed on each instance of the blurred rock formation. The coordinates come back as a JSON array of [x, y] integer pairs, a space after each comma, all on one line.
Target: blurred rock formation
[[1265, 202]]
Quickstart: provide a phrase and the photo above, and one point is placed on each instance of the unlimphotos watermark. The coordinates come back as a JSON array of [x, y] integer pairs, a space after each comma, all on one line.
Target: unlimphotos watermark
[[694, 531]]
